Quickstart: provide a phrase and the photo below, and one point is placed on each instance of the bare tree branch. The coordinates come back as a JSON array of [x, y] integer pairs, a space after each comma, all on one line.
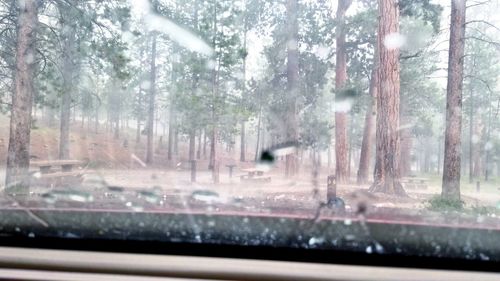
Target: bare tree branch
[[496, 44], [477, 3], [483, 22]]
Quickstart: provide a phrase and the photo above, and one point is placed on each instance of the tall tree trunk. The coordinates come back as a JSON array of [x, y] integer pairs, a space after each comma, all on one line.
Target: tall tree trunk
[[96, 119], [387, 174], [369, 129], [215, 94], [406, 145], [242, 136], [192, 144], [194, 79], [138, 132], [151, 107], [171, 129], [292, 72], [82, 124], [117, 122], [151, 104], [176, 141], [452, 147], [258, 142], [440, 153], [18, 156], [198, 150], [341, 142], [205, 139], [242, 142], [478, 136], [68, 73], [471, 134], [488, 146]]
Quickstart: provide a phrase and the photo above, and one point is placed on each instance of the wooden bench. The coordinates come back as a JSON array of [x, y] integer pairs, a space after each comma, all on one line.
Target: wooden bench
[[64, 165], [57, 172], [415, 183], [254, 175]]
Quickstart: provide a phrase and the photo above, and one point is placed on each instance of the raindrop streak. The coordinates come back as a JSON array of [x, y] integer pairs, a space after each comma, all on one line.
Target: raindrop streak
[[379, 248], [138, 160], [67, 195], [182, 36]]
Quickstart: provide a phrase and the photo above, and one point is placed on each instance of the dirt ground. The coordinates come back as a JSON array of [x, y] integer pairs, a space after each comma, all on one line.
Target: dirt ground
[[117, 178]]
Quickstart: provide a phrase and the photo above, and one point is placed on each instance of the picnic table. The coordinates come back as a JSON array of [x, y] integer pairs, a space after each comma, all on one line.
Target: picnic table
[[415, 183], [57, 172], [254, 175]]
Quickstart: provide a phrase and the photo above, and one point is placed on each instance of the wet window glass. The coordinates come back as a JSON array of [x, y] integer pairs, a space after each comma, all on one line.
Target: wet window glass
[[300, 123]]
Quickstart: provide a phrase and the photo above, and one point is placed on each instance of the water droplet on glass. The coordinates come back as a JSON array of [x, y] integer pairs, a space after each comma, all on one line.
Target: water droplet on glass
[[267, 157], [394, 41], [67, 195], [316, 241], [128, 37], [149, 196], [345, 99], [369, 250], [210, 64], [322, 52], [350, 237], [475, 139], [379, 248], [146, 85], [115, 188], [484, 257], [30, 58], [206, 196], [137, 208], [488, 146], [80, 197], [49, 198], [292, 44]]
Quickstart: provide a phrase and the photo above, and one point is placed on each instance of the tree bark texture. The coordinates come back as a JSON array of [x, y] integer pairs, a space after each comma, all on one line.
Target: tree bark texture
[[68, 72], [242, 142], [369, 129], [18, 157], [387, 173], [291, 124], [452, 147], [341, 139], [151, 106]]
